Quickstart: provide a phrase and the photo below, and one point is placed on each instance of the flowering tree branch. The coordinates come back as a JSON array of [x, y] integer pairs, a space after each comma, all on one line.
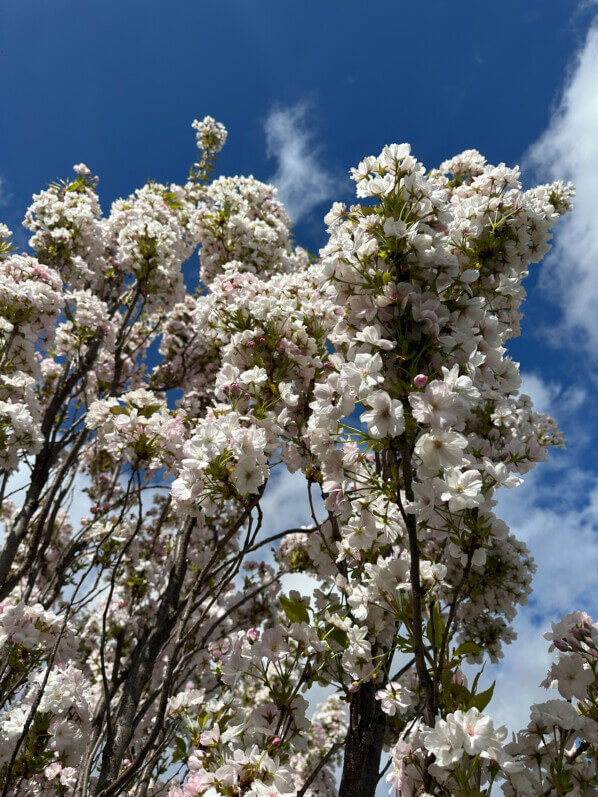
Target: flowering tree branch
[[149, 643]]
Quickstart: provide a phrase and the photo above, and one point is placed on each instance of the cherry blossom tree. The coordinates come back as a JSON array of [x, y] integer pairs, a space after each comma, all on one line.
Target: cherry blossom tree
[[151, 647]]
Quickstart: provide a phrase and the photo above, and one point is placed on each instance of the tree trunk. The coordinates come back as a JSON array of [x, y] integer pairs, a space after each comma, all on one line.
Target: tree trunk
[[363, 745]]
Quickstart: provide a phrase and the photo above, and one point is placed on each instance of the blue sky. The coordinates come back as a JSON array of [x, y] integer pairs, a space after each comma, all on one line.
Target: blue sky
[[306, 90]]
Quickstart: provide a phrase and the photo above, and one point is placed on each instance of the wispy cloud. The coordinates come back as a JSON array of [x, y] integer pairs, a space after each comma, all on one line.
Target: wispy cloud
[[562, 535], [11, 216], [303, 181], [542, 393], [568, 150], [5, 195]]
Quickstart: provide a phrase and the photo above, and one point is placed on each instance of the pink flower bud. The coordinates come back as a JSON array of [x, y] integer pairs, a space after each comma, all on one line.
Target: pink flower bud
[[354, 687], [562, 646], [275, 741], [253, 635], [459, 677], [420, 380]]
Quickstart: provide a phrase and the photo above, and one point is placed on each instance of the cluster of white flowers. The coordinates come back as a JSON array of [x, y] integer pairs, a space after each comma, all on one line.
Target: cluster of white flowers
[[271, 341], [32, 628], [152, 233], [554, 750], [551, 756], [68, 231], [420, 278], [87, 319], [222, 456], [31, 299], [62, 715], [210, 135], [242, 219], [253, 770], [139, 428]]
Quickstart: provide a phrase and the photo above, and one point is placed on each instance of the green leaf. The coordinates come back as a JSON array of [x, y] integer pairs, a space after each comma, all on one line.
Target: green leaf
[[435, 627], [202, 720], [466, 648], [481, 701], [461, 695], [181, 749], [339, 636], [446, 679], [404, 645], [294, 610], [455, 695]]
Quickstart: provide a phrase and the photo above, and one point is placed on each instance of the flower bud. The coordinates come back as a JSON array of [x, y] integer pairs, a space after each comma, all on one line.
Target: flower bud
[[562, 646], [459, 677], [420, 380]]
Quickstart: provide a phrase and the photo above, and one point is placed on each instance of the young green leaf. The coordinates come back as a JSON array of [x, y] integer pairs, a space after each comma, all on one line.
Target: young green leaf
[[294, 610]]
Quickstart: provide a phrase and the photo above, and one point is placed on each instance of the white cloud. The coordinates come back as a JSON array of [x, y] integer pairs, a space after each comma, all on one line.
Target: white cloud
[[541, 393], [517, 682], [302, 180], [568, 150], [561, 529], [5, 195], [286, 504], [562, 534]]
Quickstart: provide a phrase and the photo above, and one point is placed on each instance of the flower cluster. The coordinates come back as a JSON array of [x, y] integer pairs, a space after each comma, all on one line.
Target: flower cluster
[[210, 135], [242, 219], [557, 749], [31, 299], [152, 233], [138, 428], [67, 229], [553, 755], [32, 628]]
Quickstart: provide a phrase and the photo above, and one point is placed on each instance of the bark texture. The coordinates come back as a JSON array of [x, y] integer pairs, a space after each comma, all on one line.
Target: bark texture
[[363, 746]]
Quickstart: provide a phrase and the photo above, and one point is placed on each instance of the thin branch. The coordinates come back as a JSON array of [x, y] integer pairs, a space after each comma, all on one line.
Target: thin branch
[[321, 764]]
